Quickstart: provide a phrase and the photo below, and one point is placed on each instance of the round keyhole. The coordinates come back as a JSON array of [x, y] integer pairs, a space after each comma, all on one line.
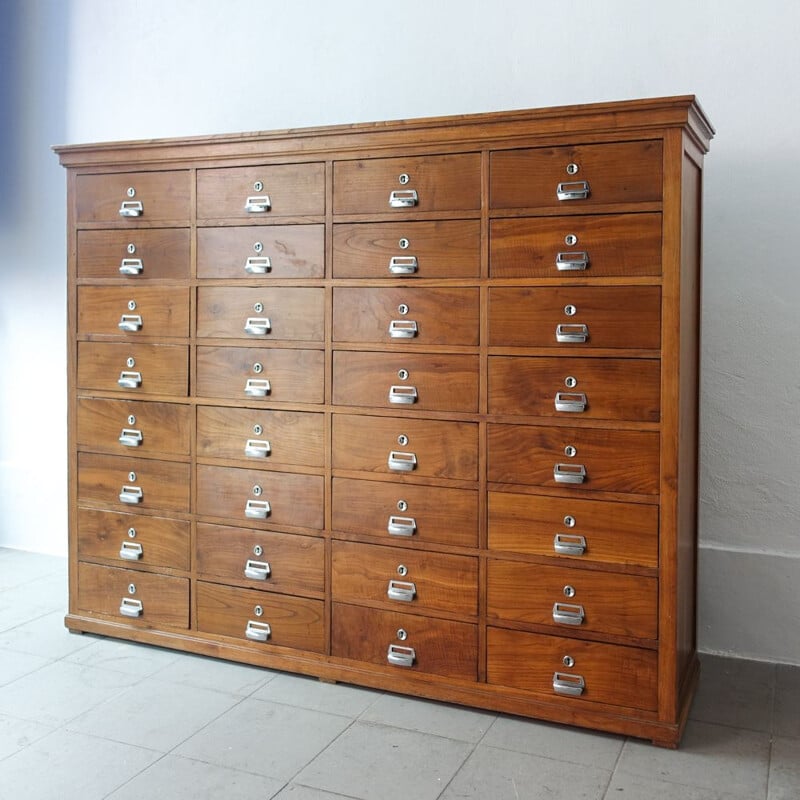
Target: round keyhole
[[258, 307], [569, 591], [572, 169], [258, 550], [131, 191], [402, 439], [571, 239], [257, 429], [402, 309], [402, 505], [131, 420], [570, 382], [258, 247], [257, 490], [402, 634], [258, 368], [258, 611], [131, 533], [131, 476], [404, 178], [404, 244], [131, 588], [131, 361], [569, 521], [402, 570], [570, 310], [258, 186], [402, 374], [570, 451], [131, 305], [568, 661], [131, 248]]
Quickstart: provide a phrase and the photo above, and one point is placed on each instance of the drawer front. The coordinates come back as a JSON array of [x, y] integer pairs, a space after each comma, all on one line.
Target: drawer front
[[259, 497], [571, 529], [602, 673], [285, 313], [434, 646], [125, 483], [133, 427], [253, 374], [626, 172], [408, 183], [413, 580], [432, 448], [133, 311], [266, 619], [575, 317], [433, 382], [133, 197], [406, 316], [576, 388], [274, 251], [135, 368], [572, 599], [278, 562], [261, 192], [441, 249], [133, 539], [424, 514], [136, 598], [134, 255], [275, 438], [576, 247], [605, 460]]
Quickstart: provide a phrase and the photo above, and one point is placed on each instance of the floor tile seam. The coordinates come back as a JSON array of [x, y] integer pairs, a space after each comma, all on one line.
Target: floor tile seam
[[686, 785], [27, 621], [49, 663], [373, 723], [554, 758], [466, 758], [153, 678], [293, 782], [133, 777], [614, 769], [766, 731]]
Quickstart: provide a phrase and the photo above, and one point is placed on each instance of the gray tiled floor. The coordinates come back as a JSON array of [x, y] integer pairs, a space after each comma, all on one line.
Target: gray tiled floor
[[83, 717]]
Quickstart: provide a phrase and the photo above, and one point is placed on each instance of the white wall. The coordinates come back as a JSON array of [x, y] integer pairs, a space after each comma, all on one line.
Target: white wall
[[149, 68]]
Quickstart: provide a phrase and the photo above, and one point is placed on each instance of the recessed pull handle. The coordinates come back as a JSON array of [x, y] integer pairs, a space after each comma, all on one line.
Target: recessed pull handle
[[258, 265], [131, 266], [257, 448], [130, 607], [258, 204], [257, 509], [399, 656], [569, 473], [132, 495], [130, 437], [568, 614], [403, 265], [257, 387], [577, 261], [402, 462], [574, 333], [567, 544], [404, 591], [257, 631], [131, 551], [130, 322], [131, 208], [258, 326], [570, 685], [401, 526], [573, 190], [402, 329], [571, 402], [129, 380], [257, 570], [403, 198], [403, 395]]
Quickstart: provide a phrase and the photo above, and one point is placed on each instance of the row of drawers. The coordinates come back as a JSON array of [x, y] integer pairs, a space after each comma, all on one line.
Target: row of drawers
[[546, 177]]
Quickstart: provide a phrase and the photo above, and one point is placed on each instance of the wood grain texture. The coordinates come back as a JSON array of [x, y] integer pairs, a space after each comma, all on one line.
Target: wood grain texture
[[164, 253], [162, 312]]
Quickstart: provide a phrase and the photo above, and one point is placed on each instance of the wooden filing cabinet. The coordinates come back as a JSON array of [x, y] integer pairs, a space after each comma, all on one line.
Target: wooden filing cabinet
[[409, 405]]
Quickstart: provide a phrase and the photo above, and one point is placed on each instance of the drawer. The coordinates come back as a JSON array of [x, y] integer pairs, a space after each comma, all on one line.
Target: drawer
[[597, 246], [252, 374], [433, 382], [261, 192], [278, 562], [576, 317], [135, 255], [405, 641], [143, 599], [276, 438], [133, 311], [128, 483], [424, 514], [571, 529], [576, 177], [408, 183], [441, 249], [604, 460], [139, 368], [133, 539], [572, 599], [410, 579], [404, 447], [133, 426], [592, 388], [274, 251], [133, 197], [601, 673], [259, 497], [406, 316], [246, 313], [261, 617]]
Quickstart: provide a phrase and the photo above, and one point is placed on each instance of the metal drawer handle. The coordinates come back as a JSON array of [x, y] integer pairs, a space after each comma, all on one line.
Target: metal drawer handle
[[401, 590], [257, 448], [403, 198], [572, 332], [257, 387], [403, 395], [401, 526], [403, 265], [402, 328], [569, 473], [129, 380], [257, 631], [130, 607], [402, 462], [130, 322], [567, 544], [257, 265], [130, 437], [572, 402], [131, 551], [131, 266], [132, 495], [571, 685], [573, 261], [257, 509], [131, 208], [257, 570], [573, 190], [258, 326], [399, 656], [258, 204], [568, 614]]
